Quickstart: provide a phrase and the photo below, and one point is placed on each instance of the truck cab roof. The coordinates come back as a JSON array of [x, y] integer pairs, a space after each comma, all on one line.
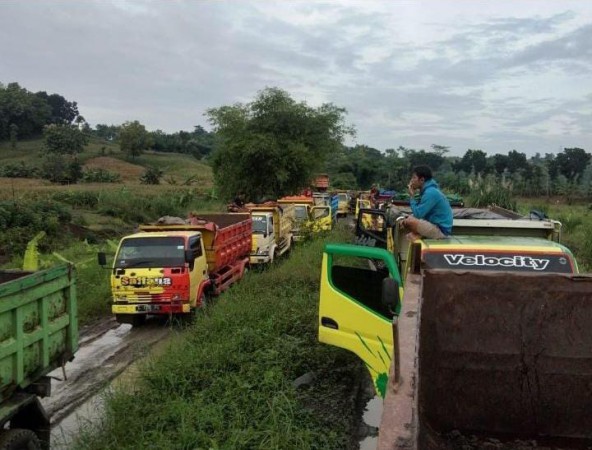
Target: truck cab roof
[[180, 233]]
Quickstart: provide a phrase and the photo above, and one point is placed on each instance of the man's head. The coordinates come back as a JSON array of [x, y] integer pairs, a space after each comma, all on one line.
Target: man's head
[[419, 176]]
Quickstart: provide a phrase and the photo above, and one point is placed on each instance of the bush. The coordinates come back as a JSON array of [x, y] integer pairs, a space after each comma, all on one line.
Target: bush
[[21, 221], [152, 175], [100, 176], [61, 169], [20, 170], [78, 199]]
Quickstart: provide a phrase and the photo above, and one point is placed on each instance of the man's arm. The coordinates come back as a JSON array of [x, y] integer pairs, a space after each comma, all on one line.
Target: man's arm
[[426, 204]]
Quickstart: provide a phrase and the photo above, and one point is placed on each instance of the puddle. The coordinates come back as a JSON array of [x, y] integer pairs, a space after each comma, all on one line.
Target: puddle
[[64, 434], [371, 418], [110, 357], [90, 359]]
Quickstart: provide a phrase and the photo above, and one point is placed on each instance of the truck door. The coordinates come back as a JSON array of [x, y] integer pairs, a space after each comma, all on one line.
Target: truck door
[[371, 228], [352, 314], [321, 216], [198, 269]]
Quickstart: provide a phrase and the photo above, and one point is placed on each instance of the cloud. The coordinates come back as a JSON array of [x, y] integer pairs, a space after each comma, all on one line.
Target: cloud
[[409, 74]]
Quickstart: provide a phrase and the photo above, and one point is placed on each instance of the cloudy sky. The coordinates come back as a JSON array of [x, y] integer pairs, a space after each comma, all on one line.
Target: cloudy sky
[[496, 75]]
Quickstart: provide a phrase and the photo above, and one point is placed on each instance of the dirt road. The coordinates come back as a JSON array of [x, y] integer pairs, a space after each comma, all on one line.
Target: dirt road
[[106, 349]]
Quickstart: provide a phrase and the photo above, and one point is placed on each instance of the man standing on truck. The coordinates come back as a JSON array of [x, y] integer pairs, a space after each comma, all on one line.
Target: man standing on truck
[[432, 215]]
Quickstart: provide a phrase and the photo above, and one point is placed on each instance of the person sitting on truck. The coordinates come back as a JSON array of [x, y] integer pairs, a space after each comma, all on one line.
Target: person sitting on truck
[[374, 192], [432, 214]]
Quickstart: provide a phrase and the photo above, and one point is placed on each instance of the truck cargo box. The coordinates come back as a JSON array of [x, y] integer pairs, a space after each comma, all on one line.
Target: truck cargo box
[[38, 325], [491, 355], [226, 237]]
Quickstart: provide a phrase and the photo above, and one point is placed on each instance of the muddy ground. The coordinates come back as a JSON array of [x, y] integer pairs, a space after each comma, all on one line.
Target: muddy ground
[[106, 348]]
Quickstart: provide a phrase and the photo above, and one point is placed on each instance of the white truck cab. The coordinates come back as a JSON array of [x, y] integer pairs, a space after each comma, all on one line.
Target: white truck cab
[[264, 239]]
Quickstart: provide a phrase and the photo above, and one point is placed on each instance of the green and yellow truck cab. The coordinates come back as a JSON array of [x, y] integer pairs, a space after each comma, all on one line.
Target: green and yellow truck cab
[[353, 314]]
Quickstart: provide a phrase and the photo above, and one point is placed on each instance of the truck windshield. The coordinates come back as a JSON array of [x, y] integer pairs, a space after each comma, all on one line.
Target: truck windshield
[[151, 252], [259, 224], [301, 212]]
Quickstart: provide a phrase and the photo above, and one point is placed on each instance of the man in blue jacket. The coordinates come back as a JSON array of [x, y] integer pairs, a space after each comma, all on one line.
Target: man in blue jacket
[[432, 215]]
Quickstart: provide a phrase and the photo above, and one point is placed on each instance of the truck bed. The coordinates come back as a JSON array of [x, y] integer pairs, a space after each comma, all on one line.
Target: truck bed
[[509, 366], [227, 237], [38, 325]]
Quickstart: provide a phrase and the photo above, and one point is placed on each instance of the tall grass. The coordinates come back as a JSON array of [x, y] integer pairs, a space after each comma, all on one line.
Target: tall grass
[[227, 382], [576, 228]]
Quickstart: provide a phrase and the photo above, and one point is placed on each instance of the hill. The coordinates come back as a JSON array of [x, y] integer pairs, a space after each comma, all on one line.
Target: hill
[[94, 211], [179, 169]]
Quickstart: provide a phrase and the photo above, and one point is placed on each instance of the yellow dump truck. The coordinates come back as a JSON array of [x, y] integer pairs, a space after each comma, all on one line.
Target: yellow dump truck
[[484, 336], [343, 199], [272, 231], [173, 268], [302, 207]]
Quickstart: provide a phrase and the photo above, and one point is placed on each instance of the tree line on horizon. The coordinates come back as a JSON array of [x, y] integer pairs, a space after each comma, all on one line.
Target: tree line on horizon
[[274, 144]]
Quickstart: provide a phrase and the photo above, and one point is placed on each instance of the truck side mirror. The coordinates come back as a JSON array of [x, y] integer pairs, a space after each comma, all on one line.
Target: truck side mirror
[[189, 256], [390, 293], [102, 259]]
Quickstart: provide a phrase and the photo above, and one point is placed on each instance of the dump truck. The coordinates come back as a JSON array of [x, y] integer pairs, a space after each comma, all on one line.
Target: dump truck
[[323, 215], [491, 342], [39, 333], [272, 230], [302, 205], [175, 268], [343, 200]]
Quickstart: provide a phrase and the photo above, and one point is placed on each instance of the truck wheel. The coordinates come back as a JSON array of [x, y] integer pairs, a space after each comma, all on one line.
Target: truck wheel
[[19, 439]]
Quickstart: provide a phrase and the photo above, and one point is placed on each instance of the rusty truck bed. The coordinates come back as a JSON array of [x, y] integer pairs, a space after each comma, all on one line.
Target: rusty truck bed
[[500, 356]]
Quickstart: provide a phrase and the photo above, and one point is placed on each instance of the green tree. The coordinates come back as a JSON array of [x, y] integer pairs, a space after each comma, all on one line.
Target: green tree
[[24, 109], [107, 132], [273, 145], [134, 139], [64, 139], [517, 161], [572, 162], [472, 161], [62, 111]]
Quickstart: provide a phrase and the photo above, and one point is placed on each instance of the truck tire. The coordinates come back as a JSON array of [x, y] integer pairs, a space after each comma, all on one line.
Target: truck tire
[[19, 439]]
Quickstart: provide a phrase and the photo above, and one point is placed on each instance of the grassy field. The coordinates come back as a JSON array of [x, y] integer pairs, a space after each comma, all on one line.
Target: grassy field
[[227, 382]]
